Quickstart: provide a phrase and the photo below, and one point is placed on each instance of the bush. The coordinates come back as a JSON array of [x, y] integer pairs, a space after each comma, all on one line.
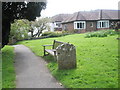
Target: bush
[[55, 34], [46, 33], [102, 33]]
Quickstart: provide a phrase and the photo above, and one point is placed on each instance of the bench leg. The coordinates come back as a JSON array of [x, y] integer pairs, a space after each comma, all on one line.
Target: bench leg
[[55, 56], [44, 51]]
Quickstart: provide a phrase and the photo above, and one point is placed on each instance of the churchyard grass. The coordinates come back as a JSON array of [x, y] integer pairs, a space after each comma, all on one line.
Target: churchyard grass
[[97, 61], [8, 70]]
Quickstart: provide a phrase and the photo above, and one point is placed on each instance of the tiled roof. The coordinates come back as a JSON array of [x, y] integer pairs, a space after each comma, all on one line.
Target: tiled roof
[[87, 15], [110, 14], [93, 15], [60, 17]]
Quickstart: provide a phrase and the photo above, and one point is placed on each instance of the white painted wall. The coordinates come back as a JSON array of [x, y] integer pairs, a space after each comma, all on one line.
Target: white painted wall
[[52, 26]]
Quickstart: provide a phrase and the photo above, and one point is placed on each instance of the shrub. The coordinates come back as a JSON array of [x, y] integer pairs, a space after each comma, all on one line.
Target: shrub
[[55, 34], [19, 29], [46, 33], [102, 33], [75, 31]]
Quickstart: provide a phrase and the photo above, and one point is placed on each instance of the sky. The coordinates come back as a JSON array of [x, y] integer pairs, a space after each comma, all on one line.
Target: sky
[[55, 7]]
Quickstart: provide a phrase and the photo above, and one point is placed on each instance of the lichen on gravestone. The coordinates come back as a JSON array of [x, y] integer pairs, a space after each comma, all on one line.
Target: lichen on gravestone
[[66, 56]]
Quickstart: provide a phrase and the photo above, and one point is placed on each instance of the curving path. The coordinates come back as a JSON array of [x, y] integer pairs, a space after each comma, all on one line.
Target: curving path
[[31, 70]]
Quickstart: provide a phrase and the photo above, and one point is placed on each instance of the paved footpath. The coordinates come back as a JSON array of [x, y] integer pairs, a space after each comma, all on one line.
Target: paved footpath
[[31, 70]]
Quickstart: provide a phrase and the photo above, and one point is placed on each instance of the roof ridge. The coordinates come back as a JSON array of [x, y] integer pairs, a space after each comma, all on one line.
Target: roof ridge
[[92, 15], [100, 14], [79, 13]]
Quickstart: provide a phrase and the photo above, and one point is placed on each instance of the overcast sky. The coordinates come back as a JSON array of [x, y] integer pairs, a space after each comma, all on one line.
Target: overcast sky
[[70, 6]]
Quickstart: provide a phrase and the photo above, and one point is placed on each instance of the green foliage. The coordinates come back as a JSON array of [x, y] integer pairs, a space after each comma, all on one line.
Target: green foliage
[[20, 29], [102, 33], [41, 24], [55, 34], [75, 31], [97, 61], [8, 71], [18, 10]]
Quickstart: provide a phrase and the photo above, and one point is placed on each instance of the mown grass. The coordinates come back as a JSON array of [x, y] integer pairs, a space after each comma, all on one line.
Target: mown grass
[[8, 71], [97, 61]]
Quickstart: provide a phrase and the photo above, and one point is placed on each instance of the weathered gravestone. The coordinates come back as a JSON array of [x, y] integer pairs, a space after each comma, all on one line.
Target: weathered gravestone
[[66, 56]]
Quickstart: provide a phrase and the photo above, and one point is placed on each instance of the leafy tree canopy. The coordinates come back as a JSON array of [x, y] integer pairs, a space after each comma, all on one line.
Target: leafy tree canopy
[[18, 10], [41, 24], [20, 29]]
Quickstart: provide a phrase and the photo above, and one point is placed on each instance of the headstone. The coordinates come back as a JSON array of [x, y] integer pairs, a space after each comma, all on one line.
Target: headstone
[[66, 56]]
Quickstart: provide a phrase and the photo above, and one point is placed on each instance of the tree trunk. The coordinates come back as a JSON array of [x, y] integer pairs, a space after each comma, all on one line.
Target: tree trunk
[[5, 32]]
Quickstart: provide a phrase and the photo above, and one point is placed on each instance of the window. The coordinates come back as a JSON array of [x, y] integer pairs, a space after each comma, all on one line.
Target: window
[[79, 25], [57, 24], [103, 24]]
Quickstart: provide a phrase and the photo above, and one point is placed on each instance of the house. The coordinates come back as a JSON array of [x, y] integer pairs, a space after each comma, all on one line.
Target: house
[[56, 21], [87, 21]]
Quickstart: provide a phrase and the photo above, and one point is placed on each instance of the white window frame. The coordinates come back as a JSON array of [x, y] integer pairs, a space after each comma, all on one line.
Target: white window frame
[[100, 24], [57, 24], [80, 22]]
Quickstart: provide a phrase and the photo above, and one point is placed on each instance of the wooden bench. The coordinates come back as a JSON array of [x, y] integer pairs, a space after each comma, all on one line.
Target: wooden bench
[[53, 50]]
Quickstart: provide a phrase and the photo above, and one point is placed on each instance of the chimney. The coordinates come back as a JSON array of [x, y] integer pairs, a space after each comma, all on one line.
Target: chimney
[[100, 14]]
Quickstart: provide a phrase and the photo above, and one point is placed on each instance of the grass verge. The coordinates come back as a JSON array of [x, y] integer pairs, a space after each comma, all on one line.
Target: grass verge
[[97, 61], [8, 71]]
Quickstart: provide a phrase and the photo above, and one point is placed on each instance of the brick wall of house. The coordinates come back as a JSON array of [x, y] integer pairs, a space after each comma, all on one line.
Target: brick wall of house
[[81, 30], [91, 26], [68, 27], [102, 28]]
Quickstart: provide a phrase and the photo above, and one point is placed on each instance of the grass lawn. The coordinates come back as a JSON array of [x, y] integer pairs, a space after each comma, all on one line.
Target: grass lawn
[[8, 71], [97, 61]]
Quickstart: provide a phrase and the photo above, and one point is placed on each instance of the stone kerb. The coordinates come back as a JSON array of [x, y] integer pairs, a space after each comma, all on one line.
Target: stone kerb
[[66, 56]]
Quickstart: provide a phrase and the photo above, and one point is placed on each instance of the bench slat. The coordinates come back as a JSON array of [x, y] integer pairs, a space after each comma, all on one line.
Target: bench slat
[[47, 45], [54, 46], [51, 51]]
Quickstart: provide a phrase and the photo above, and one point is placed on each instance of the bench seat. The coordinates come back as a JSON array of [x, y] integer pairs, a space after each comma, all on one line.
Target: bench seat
[[50, 51]]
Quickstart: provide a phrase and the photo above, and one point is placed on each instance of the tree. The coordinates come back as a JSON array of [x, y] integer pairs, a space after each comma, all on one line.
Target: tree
[[19, 29], [41, 24], [18, 10], [115, 25]]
